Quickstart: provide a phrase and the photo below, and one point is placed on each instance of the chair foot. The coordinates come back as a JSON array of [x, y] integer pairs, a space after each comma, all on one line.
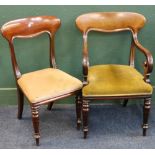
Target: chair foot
[[146, 111], [125, 102], [85, 111], [50, 105], [37, 142], [19, 117], [144, 132], [85, 133], [78, 124]]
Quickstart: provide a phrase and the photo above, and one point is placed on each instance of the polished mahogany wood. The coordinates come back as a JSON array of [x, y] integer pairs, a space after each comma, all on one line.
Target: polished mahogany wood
[[20, 103], [146, 110], [109, 22], [85, 112], [50, 105], [78, 109], [114, 22], [125, 102], [28, 28]]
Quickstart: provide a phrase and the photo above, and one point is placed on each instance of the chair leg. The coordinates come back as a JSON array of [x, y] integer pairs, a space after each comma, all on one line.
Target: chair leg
[[125, 102], [35, 120], [50, 105], [85, 111], [78, 110], [146, 111], [20, 103]]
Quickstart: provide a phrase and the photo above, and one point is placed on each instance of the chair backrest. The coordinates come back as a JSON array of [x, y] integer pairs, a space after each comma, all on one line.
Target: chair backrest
[[109, 22], [27, 28]]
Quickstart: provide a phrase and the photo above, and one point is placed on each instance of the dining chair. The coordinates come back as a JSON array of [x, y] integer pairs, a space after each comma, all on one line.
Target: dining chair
[[115, 81], [43, 86]]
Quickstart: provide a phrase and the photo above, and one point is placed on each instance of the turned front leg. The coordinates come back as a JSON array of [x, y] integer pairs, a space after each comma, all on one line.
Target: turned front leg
[[146, 111], [35, 120], [85, 111], [78, 110]]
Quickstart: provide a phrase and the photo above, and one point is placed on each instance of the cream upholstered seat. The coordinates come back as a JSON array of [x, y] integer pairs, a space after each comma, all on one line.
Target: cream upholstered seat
[[43, 86], [47, 83], [115, 80]]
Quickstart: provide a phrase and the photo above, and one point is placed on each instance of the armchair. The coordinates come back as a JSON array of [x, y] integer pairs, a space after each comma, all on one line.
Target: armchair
[[114, 81]]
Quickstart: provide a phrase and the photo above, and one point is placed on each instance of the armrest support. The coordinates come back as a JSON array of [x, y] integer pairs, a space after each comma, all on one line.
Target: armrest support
[[85, 61], [148, 64]]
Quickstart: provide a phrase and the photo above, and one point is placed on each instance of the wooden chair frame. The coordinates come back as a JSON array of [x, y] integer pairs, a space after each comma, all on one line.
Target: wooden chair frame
[[86, 24], [28, 28]]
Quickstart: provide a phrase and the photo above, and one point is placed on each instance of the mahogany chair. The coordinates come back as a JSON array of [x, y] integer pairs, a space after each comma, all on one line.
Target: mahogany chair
[[42, 86], [112, 81]]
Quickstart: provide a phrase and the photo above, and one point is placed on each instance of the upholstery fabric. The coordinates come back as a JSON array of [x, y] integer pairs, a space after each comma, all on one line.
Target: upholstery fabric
[[115, 80], [47, 83]]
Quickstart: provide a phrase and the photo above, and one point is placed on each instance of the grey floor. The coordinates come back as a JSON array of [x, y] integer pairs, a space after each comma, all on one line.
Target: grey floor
[[110, 127]]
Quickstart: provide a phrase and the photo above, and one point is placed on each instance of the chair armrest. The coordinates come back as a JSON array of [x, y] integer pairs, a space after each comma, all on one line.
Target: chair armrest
[[148, 64]]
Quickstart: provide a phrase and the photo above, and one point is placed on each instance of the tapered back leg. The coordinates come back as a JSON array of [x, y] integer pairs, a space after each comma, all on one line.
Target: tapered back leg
[[20, 103]]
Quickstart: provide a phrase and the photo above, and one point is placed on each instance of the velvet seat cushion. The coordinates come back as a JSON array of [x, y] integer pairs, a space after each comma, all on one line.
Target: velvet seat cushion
[[47, 83], [115, 80]]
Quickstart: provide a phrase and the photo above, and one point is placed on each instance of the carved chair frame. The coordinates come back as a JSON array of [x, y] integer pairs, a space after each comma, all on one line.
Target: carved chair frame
[[148, 66], [28, 28]]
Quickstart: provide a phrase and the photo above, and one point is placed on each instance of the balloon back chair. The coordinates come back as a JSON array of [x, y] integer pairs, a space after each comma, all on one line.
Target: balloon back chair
[[112, 81], [42, 86]]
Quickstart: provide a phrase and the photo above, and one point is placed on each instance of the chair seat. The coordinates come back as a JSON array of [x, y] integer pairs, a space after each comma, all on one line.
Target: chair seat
[[47, 83], [115, 80]]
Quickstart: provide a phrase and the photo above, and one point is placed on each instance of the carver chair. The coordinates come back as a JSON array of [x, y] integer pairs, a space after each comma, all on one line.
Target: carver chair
[[115, 81], [42, 86]]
